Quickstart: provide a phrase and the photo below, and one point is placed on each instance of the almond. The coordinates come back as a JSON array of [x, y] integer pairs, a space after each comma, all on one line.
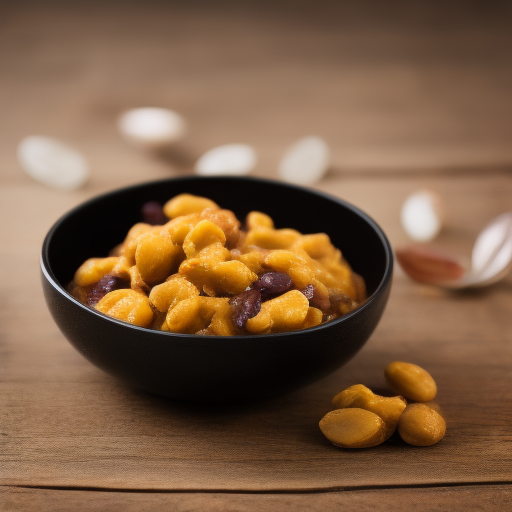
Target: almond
[[427, 265]]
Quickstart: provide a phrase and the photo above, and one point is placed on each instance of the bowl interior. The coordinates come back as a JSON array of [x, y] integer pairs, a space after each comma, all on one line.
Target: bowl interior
[[94, 228]]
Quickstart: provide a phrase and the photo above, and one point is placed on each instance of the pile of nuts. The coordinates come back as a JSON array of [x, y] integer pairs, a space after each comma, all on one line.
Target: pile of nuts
[[363, 419]]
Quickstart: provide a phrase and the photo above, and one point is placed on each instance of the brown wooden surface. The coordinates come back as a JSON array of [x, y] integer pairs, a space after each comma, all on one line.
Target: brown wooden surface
[[422, 101], [467, 498]]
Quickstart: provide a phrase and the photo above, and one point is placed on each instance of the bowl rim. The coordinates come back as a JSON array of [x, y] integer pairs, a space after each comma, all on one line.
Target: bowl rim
[[381, 287]]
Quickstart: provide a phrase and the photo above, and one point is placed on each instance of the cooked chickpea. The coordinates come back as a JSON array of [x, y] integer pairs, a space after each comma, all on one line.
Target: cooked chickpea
[[268, 238], [195, 314], [136, 282], [253, 259], [211, 272], [186, 316], [259, 220], [180, 227], [127, 305], [94, 269], [185, 204], [214, 253], [284, 313], [129, 246], [202, 273], [313, 317], [166, 295], [122, 267], [155, 257], [202, 235], [316, 246], [226, 221], [230, 278], [222, 324]]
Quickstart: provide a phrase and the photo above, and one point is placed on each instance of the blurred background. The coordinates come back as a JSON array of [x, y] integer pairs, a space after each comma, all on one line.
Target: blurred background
[[407, 94], [393, 86]]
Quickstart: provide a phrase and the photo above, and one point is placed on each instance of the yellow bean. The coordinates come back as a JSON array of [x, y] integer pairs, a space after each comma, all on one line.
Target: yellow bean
[[203, 234], [253, 259], [196, 270], [190, 316], [92, 270], [353, 428], [267, 238], [214, 253], [185, 317], [166, 295], [122, 268], [129, 246], [316, 246], [180, 227], [314, 317], [421, 425], [387, 408], [411, 381], [222, 324], [226, 221], [127, 305], [185, 204], [284, 313], [295, 266], [136, 282], [155, 257], [258, 220], [202, 250], [230, 277]]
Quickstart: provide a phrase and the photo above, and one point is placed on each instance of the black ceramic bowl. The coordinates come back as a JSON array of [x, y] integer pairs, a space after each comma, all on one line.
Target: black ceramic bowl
[[215, 368]]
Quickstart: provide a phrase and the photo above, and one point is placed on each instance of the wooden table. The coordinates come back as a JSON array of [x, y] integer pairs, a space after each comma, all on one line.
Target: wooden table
[[407, 97]]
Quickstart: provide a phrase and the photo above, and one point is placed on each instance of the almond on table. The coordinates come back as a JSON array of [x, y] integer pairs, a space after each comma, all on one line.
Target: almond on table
[[411, 381], [375, 418]]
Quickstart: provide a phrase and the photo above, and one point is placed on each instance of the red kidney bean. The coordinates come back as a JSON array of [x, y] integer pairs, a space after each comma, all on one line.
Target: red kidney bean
[[315, 300], [152, 213], [245, 305], [272, 284], [309, 291], [107, 284]]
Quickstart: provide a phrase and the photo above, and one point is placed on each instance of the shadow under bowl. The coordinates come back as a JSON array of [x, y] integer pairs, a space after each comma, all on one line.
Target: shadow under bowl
[[215, 368]]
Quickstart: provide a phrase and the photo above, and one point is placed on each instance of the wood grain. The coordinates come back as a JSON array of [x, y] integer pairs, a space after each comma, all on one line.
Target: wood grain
[[482, 498]]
